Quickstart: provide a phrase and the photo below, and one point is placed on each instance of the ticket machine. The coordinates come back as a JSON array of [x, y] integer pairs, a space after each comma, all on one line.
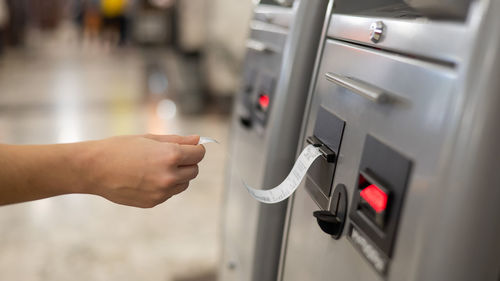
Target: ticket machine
[[406, 96], [265, 130]]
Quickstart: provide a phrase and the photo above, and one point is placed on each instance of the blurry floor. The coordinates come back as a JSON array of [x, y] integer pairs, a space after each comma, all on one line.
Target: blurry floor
[[63, 92]]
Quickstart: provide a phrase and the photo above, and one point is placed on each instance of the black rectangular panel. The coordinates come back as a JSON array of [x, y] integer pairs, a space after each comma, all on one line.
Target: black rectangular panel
[[388, 170], [328, 130]]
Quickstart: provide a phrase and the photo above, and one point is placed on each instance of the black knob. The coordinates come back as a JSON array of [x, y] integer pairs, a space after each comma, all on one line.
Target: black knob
[[332, 222], [329, 222]]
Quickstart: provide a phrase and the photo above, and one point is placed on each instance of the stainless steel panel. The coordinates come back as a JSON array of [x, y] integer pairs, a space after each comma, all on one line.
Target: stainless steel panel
[[280, 16], [446, 123], [264, 154], [284, 128], [248, 162], [424, 94], [442, 8], [464, 212], [443, 41]]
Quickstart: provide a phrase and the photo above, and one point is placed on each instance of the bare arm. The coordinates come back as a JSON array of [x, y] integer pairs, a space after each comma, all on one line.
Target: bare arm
[[140, 171]]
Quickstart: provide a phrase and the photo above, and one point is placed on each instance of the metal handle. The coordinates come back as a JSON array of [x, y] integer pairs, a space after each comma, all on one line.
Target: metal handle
[[363, 89], [258, 46]]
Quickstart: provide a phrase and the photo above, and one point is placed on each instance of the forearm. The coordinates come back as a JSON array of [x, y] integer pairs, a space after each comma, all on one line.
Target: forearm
[[140, 171], [31, 172]]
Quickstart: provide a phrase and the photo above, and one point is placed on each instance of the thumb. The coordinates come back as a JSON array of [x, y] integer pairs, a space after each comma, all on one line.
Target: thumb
[[193, 140]]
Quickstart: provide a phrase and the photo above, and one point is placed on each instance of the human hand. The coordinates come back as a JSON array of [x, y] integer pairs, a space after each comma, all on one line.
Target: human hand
[[142, 171]]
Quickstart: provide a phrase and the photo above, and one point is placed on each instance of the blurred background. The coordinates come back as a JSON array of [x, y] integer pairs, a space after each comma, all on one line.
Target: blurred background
[[74, 70]]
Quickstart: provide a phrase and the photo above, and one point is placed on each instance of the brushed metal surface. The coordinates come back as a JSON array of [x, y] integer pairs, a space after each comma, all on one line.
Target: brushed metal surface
[[456, 9], [275, 15], [446, 122], [464, 210], [247, 161], [426, 93], [441, 41], [264, 156]]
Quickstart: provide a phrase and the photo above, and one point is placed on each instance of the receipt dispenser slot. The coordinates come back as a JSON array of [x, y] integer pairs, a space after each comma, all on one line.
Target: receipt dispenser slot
[[328, 132]]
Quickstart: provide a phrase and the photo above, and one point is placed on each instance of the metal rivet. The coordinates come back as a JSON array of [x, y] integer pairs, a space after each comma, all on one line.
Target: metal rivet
[[376, 31]]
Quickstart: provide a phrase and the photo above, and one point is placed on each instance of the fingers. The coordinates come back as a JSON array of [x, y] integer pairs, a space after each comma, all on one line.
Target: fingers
[[191, 154], [158, 198], [178, 188], [192, 140], [187, 173]]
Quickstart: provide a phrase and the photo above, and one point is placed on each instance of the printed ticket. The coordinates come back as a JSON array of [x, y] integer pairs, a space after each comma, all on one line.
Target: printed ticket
[[286, 188], [204, 140]]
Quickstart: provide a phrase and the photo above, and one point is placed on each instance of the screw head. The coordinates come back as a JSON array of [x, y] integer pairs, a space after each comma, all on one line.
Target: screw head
[[376, 31]]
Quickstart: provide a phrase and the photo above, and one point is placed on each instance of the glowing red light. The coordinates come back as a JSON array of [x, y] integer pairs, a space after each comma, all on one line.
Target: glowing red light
[[375, 197], [264, 101]]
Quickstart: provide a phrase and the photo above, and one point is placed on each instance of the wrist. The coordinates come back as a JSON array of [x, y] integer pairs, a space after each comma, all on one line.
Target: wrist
[[83, 158]]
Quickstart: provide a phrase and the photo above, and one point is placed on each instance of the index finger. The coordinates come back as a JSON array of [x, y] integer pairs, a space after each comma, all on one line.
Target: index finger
[[191, 154], [174, 138]]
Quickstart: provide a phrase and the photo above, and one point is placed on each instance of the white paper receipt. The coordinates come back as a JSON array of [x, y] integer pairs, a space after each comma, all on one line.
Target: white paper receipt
[[204, 140], [291, 182]]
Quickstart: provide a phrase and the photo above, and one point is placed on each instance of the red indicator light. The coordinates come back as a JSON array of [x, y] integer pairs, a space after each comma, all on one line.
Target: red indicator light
[[264, 101], [375, 197]]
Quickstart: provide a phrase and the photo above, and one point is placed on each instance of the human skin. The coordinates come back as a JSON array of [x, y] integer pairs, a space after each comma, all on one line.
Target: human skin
[[141, 171]]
